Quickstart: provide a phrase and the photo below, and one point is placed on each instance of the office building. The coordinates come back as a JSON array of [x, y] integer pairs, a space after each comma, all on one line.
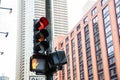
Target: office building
[[28, 10], [4, 78], [92, 47]]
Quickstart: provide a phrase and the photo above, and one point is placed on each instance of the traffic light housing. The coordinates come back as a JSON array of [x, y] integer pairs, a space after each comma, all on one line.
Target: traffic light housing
[[47, 64], [38, 63], [56, 60], [40, 35], [43, 61]]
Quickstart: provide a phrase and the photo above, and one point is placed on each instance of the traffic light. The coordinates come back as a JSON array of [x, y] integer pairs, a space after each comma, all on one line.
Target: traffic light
[[40, 35], [38, 63], [57, 59]]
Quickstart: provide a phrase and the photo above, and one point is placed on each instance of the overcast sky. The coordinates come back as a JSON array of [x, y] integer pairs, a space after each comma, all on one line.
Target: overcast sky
[[8, 23]]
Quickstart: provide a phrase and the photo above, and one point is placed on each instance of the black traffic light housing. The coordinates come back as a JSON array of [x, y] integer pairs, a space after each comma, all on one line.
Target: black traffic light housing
[[42, 61], [40, 35], [57, 58], [38, 63]]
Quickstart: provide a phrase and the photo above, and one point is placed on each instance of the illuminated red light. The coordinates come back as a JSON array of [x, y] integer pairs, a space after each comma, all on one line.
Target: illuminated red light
[[44, 21]]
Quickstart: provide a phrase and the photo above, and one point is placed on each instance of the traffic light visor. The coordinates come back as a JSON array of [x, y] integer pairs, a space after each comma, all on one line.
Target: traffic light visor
[[44, 21]]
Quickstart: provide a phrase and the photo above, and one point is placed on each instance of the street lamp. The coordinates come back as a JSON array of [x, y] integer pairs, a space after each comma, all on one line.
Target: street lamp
[[6, 9], [4, 33]]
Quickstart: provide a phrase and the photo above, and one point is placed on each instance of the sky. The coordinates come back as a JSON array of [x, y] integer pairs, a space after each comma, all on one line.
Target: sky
[[8, 23]]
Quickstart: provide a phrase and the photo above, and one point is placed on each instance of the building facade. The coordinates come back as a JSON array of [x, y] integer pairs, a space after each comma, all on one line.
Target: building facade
[[4, 78], [93, 46], [28, 10]]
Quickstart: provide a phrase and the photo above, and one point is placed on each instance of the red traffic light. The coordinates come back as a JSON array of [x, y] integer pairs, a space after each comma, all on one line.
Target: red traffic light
[[43, 23]]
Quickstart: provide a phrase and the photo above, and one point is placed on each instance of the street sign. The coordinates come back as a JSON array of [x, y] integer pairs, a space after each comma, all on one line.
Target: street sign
[[40, 77]]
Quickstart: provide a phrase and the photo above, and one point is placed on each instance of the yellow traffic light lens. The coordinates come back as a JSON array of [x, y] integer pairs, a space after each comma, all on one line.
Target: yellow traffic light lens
[[41, 38]]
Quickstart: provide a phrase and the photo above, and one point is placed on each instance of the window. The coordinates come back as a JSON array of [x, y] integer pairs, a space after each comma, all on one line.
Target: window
[[89, 62], [117, 4], [100, 67], [97, 38], [66, 39], [78, 27], [105, 11], [90, 70], [109, 41], [72, 34], [101, 76], [116, 1], [61, 44], [87, 44], [107, 29], [107, 19], [82, 75], [111, 60], [103, 2], [95, 20], [110, 50], [113, 71], [85, 20], [99, 57], [94, 11], [88, 54]]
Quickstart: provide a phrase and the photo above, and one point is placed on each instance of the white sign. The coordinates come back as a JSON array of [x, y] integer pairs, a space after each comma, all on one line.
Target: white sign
[[40, 77]]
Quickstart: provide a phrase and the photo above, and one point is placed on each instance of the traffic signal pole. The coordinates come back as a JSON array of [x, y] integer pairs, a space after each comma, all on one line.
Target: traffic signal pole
[[49, 77]]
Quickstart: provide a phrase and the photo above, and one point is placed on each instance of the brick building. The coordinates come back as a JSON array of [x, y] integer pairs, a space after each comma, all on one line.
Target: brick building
[[92, 47]]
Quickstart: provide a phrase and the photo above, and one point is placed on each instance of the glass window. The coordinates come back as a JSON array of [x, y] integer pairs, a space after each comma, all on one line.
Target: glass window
[[72, 34], [97, 47], [78, 27], [87, 45], [101, 76], [110, 50], [90, 70], [106, 19], [111, 60], [107, 29], [109, 39], [116, 1], [105, 12], [99, 57], [103, 2], [113, 71], [100, 65], [97, 38], [108, 34], [88, 54], [95, 20], [66, 39], [82, 75], [94, 11], [118, 20], [118, 9], [89, 62], [95, 29], [85, 20]]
